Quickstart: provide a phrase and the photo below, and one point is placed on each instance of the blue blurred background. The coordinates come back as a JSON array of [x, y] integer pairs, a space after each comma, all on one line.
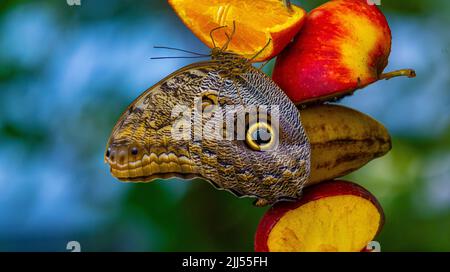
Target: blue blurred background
[[67, 72]]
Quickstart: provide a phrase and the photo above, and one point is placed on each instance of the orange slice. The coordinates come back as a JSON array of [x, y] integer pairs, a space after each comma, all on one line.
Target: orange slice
[[256, 23]]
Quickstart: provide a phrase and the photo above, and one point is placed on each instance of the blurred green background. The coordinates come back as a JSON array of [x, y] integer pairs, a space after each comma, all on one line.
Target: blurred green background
[[67, 72]]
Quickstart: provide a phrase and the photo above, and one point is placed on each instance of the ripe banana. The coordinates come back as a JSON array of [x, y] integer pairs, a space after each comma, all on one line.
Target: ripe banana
[[342, 140]]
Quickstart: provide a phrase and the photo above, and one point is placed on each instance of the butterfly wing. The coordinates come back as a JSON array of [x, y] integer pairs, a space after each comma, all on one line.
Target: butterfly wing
[[141, 146], [275, 174], [199, 103]]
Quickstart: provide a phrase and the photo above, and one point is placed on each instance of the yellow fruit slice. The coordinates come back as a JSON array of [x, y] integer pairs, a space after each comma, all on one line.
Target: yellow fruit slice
[[331, 216]]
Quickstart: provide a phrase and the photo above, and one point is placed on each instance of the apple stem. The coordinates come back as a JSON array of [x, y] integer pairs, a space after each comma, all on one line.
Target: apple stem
[[403, 72]]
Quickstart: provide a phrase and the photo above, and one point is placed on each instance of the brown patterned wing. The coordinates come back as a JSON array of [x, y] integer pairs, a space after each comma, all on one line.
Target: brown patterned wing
[[200, 103]]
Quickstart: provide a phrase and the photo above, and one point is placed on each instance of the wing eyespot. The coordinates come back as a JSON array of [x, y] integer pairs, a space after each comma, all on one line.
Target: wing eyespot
[[261, 136]]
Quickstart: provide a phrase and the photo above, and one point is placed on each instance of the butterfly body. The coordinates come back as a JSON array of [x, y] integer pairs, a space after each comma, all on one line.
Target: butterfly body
[[208, 98]]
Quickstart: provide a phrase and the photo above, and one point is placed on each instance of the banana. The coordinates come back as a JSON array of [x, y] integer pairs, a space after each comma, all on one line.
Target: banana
[[342, 140]]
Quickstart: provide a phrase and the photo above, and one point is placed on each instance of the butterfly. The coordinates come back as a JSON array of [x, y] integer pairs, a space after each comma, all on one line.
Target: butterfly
[[220, 120]]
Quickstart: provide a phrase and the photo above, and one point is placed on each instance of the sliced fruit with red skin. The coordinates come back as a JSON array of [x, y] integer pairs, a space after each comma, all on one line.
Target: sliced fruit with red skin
[[256, 23], [344, 45], [331, 216]]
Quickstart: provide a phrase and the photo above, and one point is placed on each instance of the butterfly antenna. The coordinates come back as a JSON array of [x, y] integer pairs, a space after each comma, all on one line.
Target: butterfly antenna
[[181, 50], [260, 51], [233, 31], [179, 57], [211, 34], [287, 4]]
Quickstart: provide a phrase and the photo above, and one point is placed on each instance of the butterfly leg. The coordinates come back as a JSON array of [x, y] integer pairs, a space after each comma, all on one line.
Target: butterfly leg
[[287, 4], [261, 202], [263, 65]]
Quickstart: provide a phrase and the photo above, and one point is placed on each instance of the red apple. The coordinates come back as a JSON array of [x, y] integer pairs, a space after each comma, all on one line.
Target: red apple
[[344, 45], [331, 216]]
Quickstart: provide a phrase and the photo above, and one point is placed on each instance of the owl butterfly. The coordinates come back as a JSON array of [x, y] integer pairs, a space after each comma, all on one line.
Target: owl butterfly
[[220, 120]]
